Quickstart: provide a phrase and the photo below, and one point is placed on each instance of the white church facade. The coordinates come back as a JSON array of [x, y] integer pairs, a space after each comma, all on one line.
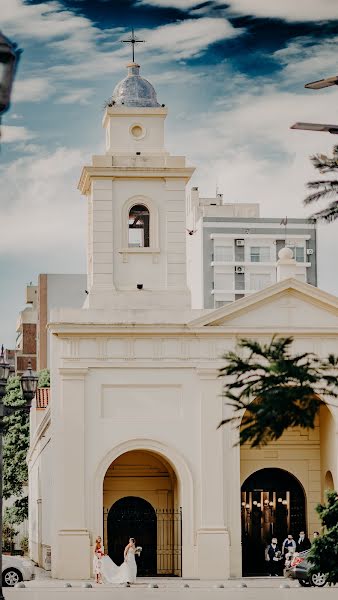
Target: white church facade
[[129, 444]]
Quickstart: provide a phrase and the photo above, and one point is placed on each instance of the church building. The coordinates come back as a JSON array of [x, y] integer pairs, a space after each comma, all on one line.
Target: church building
[[129, 443]]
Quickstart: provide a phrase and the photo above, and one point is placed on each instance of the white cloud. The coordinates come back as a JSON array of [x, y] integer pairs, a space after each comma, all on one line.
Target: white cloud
[[175, 41], [43, 207], [44, 21], [32, 89], [288, 10], [96, 65], [80, 96], [305, 60], [255, 138], [181, 4], [190, 37], [14, 133]]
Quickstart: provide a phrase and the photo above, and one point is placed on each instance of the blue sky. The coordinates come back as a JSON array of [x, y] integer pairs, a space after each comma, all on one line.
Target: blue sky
[[232, 74]]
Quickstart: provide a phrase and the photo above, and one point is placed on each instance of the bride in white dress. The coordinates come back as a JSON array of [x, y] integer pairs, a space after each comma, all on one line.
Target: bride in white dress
[[125, 573]]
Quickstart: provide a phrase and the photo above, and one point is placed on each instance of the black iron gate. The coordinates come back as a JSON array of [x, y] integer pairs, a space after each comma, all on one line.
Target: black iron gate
[[159, 532], [169, 542]]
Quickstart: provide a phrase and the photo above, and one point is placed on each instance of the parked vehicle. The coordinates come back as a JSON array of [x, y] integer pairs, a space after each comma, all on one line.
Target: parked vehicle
[[299, 569], [15, 569]]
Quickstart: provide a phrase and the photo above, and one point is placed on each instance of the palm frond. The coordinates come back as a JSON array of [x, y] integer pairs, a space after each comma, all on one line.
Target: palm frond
[[328, 214], [324, 163], [268, 389], [325, 189]]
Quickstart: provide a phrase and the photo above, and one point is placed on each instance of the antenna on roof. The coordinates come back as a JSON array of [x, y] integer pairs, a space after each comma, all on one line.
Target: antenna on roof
[[219, 195], [285, 223]]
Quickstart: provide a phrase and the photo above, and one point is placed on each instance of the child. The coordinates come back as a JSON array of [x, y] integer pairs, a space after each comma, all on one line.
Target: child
[[98, 554]]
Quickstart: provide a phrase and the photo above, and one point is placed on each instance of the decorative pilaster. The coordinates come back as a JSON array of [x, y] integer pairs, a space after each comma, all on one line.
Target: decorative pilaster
[[212, 536], [72, 536]]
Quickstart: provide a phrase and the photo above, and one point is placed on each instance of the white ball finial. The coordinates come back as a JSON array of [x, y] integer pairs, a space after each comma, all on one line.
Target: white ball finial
[[285, 254]]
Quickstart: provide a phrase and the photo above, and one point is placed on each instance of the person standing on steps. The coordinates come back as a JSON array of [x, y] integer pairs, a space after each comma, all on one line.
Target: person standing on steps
[[273, 557], [97, 560], [288, 549], [303, 542]]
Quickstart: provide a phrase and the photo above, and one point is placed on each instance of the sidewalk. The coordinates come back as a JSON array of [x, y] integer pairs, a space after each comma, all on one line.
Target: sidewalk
[[43, 587]]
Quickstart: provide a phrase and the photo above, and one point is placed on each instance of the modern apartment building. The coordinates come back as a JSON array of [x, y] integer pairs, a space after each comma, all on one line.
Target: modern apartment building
[[32, 340], [25, 345], [55, 290], [232, 251]]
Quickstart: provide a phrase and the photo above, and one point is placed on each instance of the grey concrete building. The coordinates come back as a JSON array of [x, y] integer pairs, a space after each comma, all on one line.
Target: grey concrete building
[[232, 251]]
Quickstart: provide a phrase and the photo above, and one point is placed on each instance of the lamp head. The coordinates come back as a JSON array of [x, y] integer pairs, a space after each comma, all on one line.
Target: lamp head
[[4, 373], [9, 55], [29, 384]]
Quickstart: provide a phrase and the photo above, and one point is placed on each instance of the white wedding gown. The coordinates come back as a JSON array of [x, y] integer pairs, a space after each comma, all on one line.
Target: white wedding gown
[[125, 573]]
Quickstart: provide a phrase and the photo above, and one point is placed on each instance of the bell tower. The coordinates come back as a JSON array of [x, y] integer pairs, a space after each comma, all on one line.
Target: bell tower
[[136, 206]]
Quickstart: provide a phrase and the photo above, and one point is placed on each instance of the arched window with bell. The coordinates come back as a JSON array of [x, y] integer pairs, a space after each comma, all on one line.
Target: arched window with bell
[[139, 227]]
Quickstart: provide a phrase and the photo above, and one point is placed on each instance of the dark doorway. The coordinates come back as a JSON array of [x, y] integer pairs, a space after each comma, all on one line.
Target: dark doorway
[[272, 504], [133, 517]]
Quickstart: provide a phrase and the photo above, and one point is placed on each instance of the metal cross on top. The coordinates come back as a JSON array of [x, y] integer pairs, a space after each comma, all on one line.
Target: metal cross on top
[[132, 40]]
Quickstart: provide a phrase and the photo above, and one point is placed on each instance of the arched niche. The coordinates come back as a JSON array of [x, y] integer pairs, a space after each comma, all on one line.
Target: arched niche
[[329, 485], [141, 500]]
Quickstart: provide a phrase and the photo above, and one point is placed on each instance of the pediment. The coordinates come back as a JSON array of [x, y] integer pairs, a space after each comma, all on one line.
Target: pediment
[[286, 305]]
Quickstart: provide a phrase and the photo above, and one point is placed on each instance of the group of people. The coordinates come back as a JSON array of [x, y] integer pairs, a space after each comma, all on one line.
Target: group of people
[[106, 571], [279, 557]]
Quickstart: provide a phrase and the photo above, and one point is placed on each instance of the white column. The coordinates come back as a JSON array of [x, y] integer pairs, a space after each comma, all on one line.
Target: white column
[[212, 535], [232, 492], [71, 544]]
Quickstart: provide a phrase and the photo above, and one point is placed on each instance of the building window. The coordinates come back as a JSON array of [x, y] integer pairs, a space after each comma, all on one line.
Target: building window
[[260, 254], [224, 281], [138, 234], [258, 281], [223, 253], [298, 253]]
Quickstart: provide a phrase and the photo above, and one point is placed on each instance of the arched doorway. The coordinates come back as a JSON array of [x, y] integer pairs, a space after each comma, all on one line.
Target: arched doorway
[[329, 485], [141, 499], [133, 517], [272, 504]]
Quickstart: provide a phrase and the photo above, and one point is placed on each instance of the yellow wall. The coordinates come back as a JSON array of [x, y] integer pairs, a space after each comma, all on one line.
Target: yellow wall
[[142, 474], [328, 450], [298, 452]]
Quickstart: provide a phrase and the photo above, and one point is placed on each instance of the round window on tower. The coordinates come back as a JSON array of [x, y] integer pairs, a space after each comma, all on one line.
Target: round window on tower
[[137, 131]]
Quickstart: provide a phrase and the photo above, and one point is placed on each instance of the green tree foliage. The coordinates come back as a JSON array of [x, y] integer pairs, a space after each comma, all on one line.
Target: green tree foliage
[[16, 442], [8, 531], [275, 389], [44, 378], [324, 189], [323, 555]]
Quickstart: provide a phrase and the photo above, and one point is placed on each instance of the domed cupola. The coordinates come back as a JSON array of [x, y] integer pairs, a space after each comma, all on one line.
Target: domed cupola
[[133, 90]]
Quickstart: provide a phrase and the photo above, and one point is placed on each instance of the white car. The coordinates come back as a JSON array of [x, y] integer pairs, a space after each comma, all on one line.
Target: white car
[[15, 569]]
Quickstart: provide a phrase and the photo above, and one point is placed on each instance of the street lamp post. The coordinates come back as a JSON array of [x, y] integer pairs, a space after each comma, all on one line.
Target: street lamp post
[[29, 382], [319, 85], [322, 83], [9, 56], [316, 127]]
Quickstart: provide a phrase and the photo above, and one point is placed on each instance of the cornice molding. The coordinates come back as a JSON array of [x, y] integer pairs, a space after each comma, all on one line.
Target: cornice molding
[[88, 330], [135, 172]]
